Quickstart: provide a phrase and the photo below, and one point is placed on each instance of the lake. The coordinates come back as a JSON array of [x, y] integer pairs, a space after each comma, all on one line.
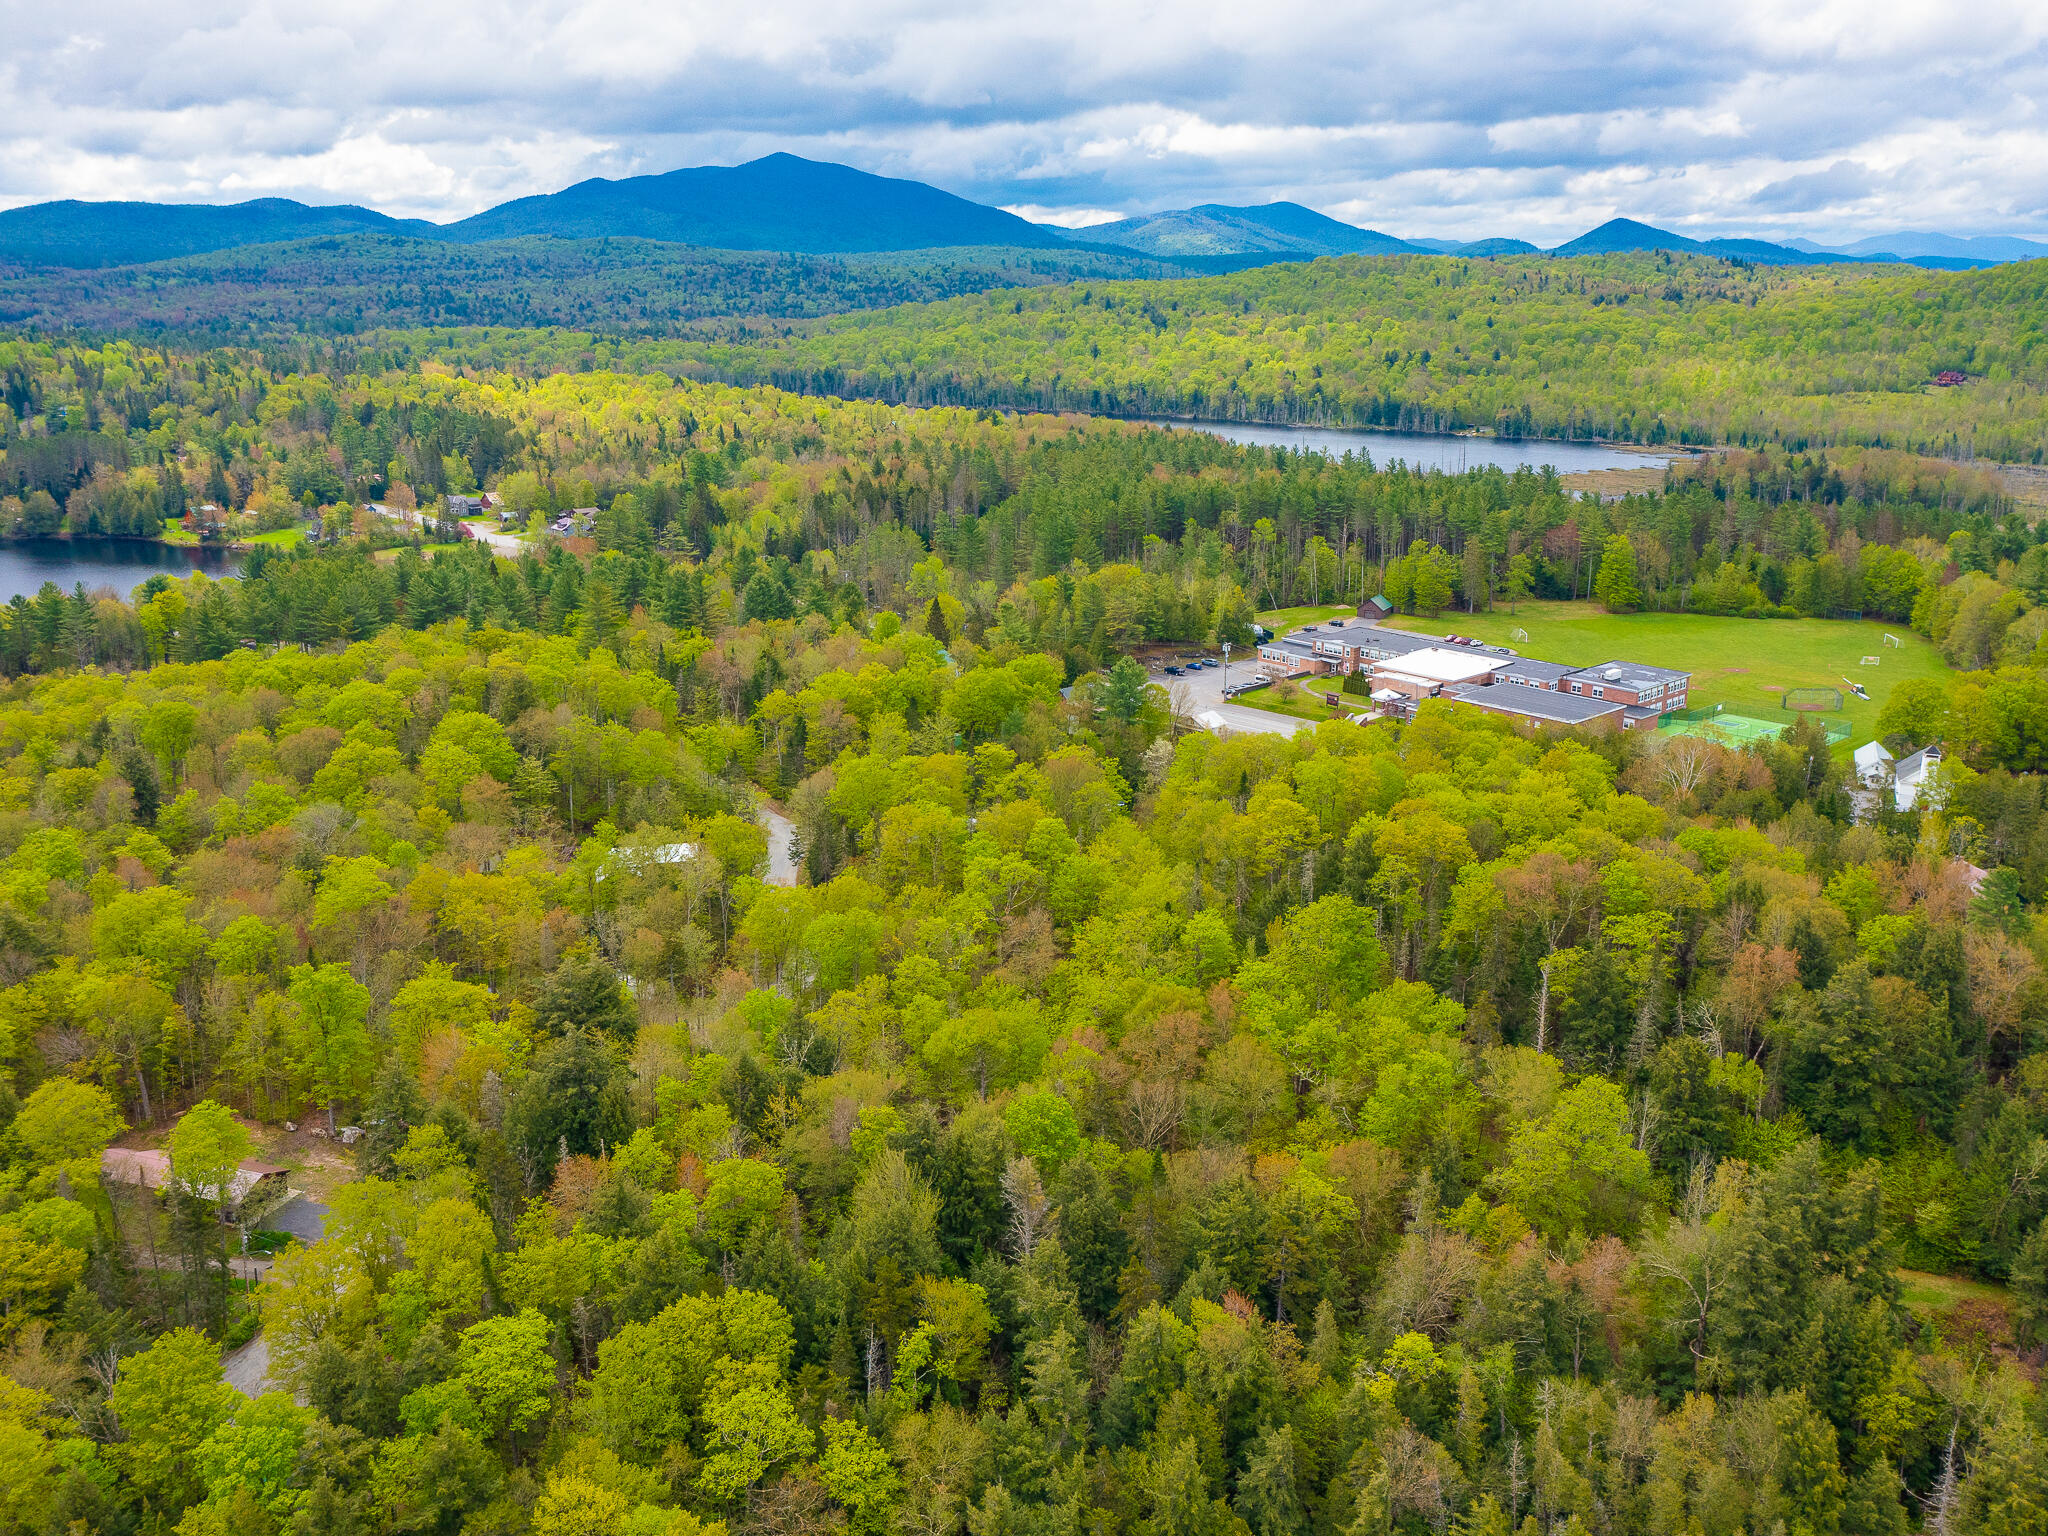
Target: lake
[[1427, 450], [123, 564]]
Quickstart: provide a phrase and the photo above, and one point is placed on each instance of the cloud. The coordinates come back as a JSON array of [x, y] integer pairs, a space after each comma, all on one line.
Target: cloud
[[1825, 117], [1063, 218], [1844, 182]]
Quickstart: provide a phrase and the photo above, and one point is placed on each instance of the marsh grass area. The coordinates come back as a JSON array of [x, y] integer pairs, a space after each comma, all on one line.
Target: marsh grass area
[[1745, 665]]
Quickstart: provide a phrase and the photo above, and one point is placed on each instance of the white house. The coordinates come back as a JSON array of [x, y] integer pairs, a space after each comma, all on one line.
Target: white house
[[1873, 765], [1913, 776]]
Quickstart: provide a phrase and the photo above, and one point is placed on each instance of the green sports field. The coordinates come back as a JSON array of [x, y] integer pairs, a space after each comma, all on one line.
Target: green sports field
[[1733, 730], [1744, 665]]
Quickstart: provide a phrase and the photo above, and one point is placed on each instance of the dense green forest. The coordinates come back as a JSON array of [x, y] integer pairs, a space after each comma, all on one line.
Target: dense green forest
[[1640, 346], [1645, 347], [1110, 1127], [345, 285], [1147, 535]]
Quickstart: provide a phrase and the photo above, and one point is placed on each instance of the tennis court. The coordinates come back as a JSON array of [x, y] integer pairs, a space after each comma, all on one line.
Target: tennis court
[[1729, 730]]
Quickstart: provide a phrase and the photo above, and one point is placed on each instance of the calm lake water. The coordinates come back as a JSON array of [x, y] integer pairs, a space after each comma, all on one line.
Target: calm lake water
[[122, 564], [1424, 450]]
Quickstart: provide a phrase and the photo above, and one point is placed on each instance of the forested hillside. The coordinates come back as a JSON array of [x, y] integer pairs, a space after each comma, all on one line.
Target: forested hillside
[[1110, 1127], [350, 285], [1645, 347]]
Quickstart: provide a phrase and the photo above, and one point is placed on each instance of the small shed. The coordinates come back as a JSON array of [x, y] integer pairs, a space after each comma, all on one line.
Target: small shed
[[1375, 607]]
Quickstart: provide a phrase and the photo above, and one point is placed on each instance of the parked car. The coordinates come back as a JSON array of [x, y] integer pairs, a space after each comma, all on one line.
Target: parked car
[[1173, 671]]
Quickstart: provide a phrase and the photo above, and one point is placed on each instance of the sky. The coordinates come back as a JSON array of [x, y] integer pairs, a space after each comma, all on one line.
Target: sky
[[1458, 119]]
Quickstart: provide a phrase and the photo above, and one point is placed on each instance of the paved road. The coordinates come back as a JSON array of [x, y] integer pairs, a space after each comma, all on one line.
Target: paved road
[[782, 869], [484, 532], [504, 543], [247, 1370]]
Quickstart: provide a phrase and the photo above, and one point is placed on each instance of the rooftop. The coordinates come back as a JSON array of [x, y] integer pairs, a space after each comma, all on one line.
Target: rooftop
[[1536, 703], [152, 1170], [1631, 674], [1291, 646], [1541, 671], [1441, 664], [1911, 768]]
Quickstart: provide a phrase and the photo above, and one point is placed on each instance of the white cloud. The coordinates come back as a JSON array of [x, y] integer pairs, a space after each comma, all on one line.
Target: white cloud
[[1063, 218], [1538, 118]]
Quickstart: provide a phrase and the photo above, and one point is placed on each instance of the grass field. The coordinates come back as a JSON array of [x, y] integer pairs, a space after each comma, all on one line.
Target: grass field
[[175, 532], [1743, 664], [281, 538], [1281, 620]]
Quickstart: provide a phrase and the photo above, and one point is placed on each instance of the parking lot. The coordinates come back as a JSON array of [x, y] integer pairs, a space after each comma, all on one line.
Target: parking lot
[[1198, 695]]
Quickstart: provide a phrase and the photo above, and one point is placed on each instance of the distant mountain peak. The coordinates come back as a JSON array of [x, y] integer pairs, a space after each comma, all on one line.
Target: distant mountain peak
[[72, 233], [1281, 230], [780, 202], [1625, 235]]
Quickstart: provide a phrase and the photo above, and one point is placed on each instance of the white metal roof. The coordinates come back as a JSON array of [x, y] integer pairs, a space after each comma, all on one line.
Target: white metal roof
[[1440, 665]]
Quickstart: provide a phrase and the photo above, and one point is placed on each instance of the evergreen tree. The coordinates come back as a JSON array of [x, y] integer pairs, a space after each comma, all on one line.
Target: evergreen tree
[[1615, 587]]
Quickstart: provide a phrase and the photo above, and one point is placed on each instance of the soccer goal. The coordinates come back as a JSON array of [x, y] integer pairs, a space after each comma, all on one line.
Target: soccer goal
[[1894, 640], [1871, 661], [1519, 636], [1812, 700]]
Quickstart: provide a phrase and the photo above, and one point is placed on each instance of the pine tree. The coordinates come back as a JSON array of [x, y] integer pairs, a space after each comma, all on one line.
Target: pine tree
[[1616, 588]]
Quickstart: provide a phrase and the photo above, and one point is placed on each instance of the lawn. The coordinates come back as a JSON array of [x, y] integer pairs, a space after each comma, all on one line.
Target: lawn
[[1306, 705], [1281, 620], [1743, 664], [175, 532], [281, 538]]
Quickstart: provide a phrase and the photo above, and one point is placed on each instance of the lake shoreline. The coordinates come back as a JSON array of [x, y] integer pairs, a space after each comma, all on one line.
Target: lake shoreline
[[1450, 453], [1463, 434], [116, 564]]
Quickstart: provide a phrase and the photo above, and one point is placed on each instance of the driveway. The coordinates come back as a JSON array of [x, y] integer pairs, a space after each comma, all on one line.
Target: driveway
[[247, 1370], [304, 1219], [505, 544], [1235, 717], [782, 869]]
